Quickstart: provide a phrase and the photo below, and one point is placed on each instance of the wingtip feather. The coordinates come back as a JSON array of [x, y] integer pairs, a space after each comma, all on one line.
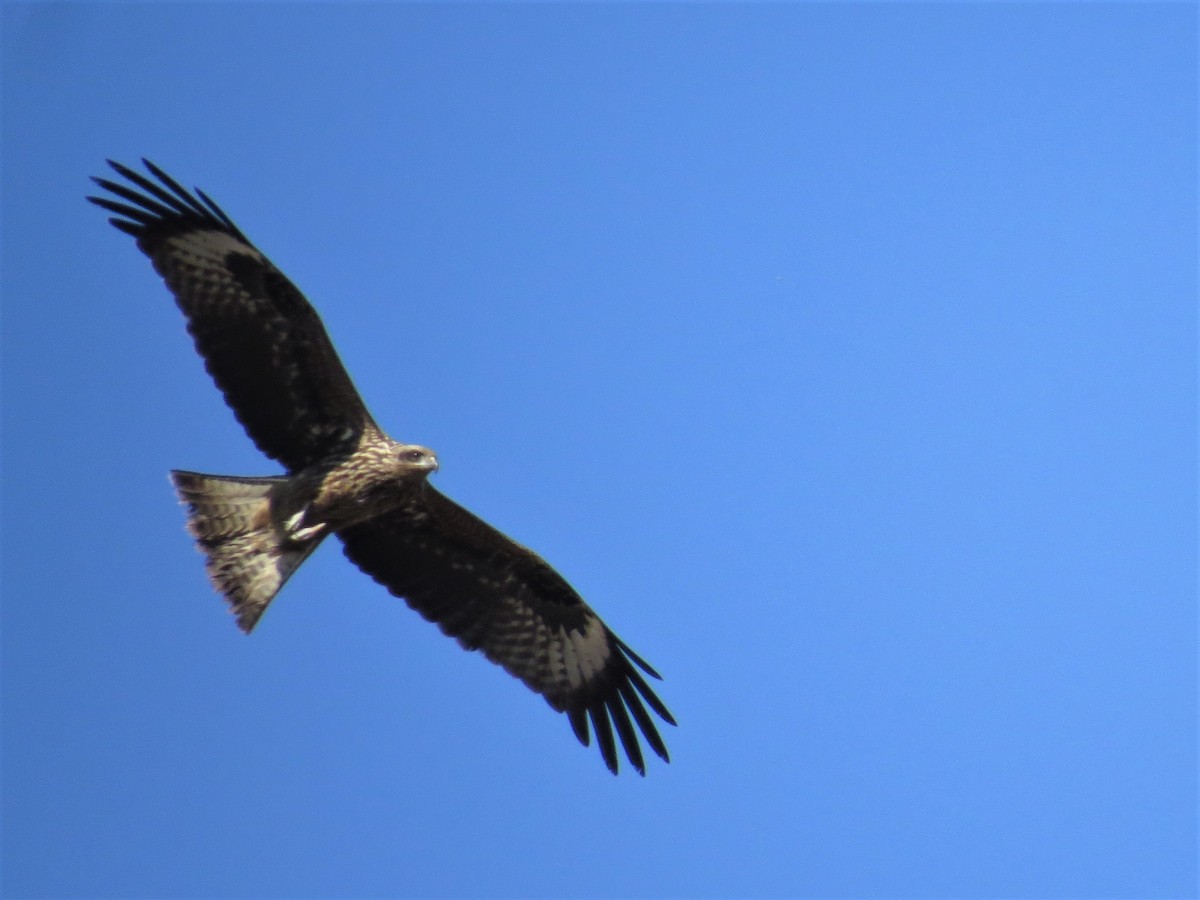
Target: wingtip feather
[[637, 660], [629, 740], [645, 724], [604, 735], [579, 725], [649, 696]]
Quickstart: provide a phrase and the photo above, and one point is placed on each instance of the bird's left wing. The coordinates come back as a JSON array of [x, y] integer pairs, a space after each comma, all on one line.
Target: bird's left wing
[[261, 340], [494, 595]]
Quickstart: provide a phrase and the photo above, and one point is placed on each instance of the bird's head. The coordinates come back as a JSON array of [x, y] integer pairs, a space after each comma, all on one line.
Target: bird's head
[[417, 459]]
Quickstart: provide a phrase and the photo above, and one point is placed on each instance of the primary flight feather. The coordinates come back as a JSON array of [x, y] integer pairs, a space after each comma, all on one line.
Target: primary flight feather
[[268, 352]]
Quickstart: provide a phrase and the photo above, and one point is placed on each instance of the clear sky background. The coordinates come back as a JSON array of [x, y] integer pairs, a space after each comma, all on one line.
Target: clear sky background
[[842, 355]]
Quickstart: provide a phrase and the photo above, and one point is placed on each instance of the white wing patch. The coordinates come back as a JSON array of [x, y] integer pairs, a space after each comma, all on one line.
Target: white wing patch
[[585, 653]]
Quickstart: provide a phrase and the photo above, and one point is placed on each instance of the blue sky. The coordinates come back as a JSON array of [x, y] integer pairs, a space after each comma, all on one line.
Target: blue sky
[[842, 355]]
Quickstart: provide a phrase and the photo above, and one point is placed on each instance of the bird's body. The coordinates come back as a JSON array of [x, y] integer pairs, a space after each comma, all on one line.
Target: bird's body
[[242, 523], [268, 352]]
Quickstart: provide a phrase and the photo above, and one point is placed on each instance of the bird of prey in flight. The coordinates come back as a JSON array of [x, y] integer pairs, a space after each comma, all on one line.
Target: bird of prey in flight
[[269, 354]]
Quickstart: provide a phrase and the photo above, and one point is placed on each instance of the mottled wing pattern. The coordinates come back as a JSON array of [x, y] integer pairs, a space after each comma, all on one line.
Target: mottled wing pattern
[[261, 340], [493, 595]]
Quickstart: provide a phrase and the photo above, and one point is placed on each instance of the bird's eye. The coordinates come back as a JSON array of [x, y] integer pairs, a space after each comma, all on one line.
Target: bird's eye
[[413, 456]]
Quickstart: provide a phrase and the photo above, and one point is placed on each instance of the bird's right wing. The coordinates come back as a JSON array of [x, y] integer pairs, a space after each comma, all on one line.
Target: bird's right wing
[[261, 340]]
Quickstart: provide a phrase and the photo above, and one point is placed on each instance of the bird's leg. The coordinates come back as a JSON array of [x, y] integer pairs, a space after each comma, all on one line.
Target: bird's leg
[[296, 533]]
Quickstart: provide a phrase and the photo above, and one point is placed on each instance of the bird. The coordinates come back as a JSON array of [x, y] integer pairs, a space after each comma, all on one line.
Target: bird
[[267, 350]]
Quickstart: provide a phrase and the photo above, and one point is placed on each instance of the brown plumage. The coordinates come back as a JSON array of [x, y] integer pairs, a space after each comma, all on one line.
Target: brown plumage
[[269, 354]]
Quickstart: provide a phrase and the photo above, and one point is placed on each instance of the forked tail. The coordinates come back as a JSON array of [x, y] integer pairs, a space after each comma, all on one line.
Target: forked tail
[[249, 555]]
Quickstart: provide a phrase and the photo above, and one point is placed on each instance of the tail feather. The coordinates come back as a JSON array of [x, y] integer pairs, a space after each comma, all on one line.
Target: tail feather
[[249, 553]]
